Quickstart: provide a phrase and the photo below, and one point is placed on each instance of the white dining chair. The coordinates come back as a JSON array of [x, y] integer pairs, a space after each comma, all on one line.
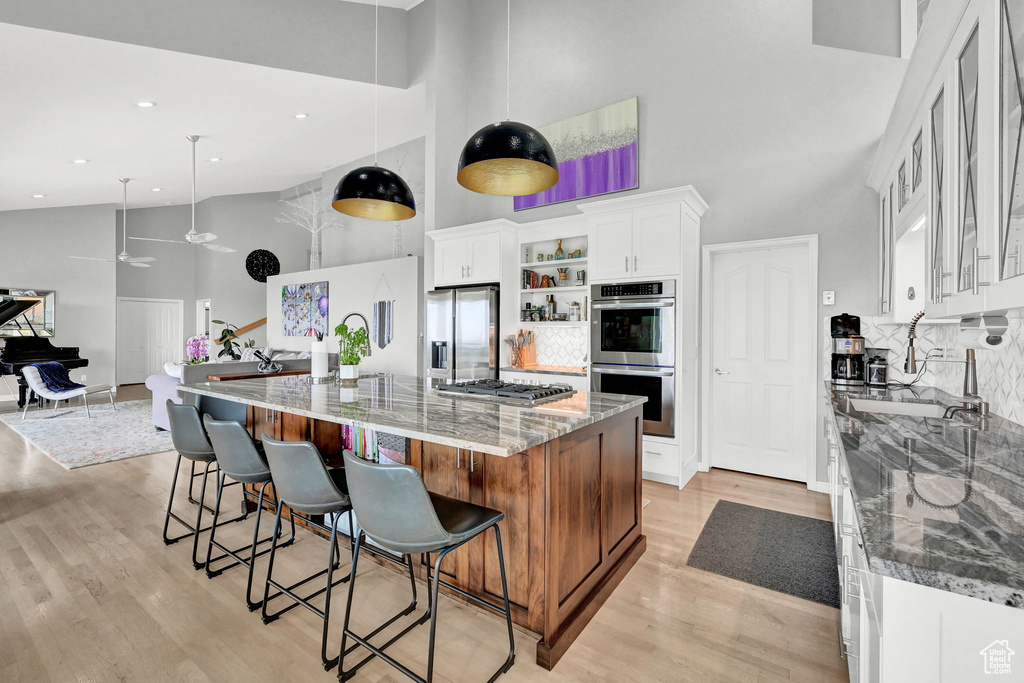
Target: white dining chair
[[36, 384]]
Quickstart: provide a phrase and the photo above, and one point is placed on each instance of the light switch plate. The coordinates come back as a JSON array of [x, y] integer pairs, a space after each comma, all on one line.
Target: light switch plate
[[828, 298]]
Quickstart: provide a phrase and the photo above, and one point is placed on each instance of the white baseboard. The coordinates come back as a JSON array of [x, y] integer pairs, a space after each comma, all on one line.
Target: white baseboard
[[819, 486], [690, 468]]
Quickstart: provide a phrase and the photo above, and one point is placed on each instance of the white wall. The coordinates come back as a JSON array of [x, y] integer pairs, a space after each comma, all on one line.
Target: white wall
[[354, 288], [34, 246]]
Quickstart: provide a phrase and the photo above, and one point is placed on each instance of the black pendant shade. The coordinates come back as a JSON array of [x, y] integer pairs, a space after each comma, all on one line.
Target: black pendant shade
[[509, 159], [374, 192]]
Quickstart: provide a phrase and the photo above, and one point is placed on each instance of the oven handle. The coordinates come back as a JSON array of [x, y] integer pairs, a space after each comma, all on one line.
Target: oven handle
[[633, 370], [657, 303]]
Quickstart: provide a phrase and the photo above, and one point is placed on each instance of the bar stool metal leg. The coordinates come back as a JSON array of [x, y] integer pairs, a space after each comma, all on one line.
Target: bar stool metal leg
[[192, 530]]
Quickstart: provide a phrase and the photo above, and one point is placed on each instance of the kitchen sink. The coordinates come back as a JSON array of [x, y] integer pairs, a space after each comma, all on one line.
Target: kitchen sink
[[865, 405]]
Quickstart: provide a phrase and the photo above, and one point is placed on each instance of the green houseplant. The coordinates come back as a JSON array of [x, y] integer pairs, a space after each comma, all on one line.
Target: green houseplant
[[232, 349], [353, 344]]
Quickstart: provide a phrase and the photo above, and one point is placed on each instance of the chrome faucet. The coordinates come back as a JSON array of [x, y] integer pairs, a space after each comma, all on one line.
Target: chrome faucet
[[366, 325], [971, 401]]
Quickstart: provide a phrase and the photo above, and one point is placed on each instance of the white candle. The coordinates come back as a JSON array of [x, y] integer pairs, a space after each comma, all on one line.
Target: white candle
[[319, 361]]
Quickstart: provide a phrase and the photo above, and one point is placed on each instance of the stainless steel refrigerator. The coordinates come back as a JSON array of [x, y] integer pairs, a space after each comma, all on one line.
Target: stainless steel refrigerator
[[461, 334]]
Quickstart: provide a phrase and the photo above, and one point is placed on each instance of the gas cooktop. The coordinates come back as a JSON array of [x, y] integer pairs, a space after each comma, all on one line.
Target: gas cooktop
[[525, 394]]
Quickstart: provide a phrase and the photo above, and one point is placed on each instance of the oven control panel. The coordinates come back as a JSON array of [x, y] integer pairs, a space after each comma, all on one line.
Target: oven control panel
[[633, 289]]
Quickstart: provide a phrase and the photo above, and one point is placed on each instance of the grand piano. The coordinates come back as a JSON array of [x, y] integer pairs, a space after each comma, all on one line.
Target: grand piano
[[21, 351]]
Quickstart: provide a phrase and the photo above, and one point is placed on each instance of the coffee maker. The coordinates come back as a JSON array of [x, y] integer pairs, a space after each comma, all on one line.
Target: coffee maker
[[847, 351]]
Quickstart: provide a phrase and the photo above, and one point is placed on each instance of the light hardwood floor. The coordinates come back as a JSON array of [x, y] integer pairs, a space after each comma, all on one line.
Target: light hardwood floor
[[88, 592]]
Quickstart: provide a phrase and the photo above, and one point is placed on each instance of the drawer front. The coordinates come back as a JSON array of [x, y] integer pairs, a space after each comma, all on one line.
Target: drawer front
[[660, 458]]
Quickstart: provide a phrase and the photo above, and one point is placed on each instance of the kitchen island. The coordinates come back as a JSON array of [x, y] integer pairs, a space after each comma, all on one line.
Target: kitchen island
[[566, 473]]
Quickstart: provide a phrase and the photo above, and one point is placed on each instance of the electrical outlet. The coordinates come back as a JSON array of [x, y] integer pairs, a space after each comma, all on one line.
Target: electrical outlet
[[828, 298], [83, 378]]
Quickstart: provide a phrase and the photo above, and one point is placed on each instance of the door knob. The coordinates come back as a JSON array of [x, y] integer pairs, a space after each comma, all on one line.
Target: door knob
[[720, 371]]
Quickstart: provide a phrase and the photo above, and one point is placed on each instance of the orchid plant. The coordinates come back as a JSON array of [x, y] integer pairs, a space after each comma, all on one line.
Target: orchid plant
[[198, 349]]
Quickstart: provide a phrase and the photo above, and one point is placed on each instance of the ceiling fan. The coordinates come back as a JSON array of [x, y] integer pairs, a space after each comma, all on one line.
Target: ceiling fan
[[202, 239], [123, 257]]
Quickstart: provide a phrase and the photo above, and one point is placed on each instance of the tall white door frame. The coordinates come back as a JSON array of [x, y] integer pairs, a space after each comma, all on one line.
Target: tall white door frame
[[808, 393], [178, 332], [202, 307]]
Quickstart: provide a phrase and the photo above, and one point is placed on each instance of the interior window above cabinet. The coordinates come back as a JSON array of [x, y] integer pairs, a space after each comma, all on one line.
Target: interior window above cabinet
[[1011, 87], [967, 164]]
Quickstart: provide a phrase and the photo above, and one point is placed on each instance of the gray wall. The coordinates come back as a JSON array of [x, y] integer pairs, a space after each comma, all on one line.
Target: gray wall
[[34, 246], [244, 222], [863, 25], [775, 132], [361, 240], [325, 37], [173, 274]]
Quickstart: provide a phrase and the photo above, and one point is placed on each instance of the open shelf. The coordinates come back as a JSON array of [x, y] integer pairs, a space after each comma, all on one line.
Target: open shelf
[[557, 263], [554, 323], [555, 290]]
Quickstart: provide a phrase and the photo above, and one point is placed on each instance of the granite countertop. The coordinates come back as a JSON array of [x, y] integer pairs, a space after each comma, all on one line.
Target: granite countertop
[[547, 369], [405, 406], [939, 502]]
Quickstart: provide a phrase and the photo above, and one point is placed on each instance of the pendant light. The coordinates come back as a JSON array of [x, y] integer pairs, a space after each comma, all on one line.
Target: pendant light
[[372, 191], [508, 158]]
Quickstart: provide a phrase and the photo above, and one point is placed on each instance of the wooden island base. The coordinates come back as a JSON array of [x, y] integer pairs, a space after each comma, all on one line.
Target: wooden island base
[[573, 517]]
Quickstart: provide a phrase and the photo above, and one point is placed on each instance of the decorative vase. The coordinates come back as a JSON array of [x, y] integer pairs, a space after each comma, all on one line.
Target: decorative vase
[[559, 254], [319, 366], [348, 372]]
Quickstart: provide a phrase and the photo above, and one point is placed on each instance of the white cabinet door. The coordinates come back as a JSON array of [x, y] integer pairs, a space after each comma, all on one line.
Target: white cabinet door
[[484, 259], [450, 260], [612, 249], [656, 236]]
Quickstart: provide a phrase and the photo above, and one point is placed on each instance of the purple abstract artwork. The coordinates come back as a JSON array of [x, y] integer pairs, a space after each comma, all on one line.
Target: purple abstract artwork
[[597, 152]]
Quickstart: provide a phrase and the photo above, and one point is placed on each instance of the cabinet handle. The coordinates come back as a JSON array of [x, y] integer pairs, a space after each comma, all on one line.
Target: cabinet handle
[[472, 462], [627, 264], [463, 272], [469, 271], [940, 279], [636, 262], [458, 458], [976, 281]]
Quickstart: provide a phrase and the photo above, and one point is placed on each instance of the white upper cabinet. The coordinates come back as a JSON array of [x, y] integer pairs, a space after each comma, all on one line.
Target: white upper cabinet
[[611, 250], [656, 238], [467, 260]]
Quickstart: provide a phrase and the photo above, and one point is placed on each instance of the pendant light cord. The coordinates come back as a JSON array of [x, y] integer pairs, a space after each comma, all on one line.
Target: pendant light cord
[[375, 20], [508, 60], [124, 214], [193, 139]]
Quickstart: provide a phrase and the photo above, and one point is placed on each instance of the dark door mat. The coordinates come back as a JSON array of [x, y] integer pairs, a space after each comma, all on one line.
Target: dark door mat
[[786, 553]]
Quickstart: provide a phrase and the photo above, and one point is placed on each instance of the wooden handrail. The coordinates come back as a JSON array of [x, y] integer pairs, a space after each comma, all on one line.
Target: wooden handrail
[[243, 330]]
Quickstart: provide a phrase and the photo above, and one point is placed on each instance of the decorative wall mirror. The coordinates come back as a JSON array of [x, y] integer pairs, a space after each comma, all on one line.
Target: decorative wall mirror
[[26, 312]]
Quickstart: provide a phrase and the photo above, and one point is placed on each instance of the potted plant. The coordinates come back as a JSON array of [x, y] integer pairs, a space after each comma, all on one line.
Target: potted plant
[[353, 343], [198, 349], [232, 349]]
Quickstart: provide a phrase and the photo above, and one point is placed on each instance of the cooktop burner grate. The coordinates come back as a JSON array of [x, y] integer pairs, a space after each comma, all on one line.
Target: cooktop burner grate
[[528, 393]]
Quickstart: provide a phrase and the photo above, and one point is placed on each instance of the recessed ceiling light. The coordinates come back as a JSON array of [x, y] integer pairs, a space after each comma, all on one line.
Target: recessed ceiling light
[[38, 196], [146, 105], [81, 161], [301, 116], [215, 159], [156, 189]]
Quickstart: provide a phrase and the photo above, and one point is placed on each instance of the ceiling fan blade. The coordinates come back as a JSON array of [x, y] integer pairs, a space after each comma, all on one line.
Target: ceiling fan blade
[[138, 265], [218, 247], [154, 239], [140, 259], [93, 258], [203, 237]]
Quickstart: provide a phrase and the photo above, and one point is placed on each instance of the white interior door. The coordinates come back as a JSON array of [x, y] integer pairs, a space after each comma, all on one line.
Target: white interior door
[[762, 354], [149, 334]]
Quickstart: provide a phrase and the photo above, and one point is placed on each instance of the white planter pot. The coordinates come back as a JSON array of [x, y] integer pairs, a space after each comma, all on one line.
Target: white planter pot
[[348, 372]]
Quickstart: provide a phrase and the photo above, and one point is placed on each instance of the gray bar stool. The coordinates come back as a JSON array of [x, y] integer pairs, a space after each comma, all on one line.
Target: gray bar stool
[[190, 441], [238, 458], [397, 512], [303, 483]]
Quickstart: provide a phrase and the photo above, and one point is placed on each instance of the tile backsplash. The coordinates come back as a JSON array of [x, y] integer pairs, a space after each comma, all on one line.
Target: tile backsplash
[[556, 345], [999, 370]]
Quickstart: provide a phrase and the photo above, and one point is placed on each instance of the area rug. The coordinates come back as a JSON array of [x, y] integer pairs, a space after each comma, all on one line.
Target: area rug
[[787, 553], [75, 441]]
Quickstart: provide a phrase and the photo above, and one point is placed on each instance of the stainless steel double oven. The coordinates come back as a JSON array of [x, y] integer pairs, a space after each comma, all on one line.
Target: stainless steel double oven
[[633, 345]]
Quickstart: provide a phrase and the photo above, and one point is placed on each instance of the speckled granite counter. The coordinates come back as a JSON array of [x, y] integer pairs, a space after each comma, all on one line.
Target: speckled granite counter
[[404, 406], [939, 502], [547, 369]]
